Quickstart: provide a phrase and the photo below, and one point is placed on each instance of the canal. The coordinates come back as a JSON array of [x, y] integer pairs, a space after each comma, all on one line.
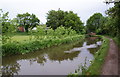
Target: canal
[[56, 60]]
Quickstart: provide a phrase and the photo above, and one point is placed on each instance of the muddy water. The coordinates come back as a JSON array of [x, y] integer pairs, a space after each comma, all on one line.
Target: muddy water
[[53, 60]]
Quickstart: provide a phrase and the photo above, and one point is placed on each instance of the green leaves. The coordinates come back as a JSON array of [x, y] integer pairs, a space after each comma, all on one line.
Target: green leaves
[[95, 22], [27, 20], [64, 18], [114, 16]]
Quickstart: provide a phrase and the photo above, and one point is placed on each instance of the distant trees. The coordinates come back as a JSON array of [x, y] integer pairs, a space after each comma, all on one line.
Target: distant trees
[[27, 20], [64, 18], [109, 25], [95, 23]]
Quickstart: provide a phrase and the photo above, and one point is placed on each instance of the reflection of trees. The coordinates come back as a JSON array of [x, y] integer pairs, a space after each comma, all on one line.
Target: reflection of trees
[[93, 50], [60, 56], [11, 69], [40, 59], [93, 40]]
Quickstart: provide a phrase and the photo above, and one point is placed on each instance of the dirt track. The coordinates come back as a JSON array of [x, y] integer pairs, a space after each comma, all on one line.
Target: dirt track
[[110, 67]]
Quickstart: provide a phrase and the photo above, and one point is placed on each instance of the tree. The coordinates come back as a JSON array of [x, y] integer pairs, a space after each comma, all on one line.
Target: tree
[[6, 26], [95, 23], [55, 18], [73, 21], [27, 20], [64, 18], [114, 14]]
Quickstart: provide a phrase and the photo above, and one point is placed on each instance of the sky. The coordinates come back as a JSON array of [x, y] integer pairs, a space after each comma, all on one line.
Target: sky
[[83, 8]]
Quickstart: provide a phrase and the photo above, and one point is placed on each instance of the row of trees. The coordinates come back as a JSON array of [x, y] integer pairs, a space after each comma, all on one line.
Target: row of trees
[[29, 21], [96, 23], [109, 25]]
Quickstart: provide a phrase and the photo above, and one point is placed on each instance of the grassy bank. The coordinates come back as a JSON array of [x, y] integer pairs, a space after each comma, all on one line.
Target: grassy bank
[[117, 41], [22, 46]]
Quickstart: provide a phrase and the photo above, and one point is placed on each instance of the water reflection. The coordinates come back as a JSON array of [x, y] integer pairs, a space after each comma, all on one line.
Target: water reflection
[[52, 60], [11, 69], [85, 54]]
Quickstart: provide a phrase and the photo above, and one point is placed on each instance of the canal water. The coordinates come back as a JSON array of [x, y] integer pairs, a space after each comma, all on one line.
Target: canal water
[[56, 60]]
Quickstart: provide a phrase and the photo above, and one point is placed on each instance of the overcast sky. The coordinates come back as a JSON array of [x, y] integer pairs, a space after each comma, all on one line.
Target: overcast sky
[[84, 8]]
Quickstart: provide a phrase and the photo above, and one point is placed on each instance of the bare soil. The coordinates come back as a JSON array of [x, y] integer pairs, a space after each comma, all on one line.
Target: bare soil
[[110, 66]]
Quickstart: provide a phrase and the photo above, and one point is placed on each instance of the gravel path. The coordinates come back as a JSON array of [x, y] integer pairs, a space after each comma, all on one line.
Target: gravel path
[[110, 66]]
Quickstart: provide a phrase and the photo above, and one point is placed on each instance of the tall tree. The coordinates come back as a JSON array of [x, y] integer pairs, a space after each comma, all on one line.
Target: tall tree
[[114, 14], [5, 23], [55, 18], [95, 22], [27, 20], [72, 20], [64, 18]]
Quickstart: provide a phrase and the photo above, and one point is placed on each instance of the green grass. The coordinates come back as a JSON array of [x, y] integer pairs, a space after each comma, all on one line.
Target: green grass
[[20, 38], [117, 41]]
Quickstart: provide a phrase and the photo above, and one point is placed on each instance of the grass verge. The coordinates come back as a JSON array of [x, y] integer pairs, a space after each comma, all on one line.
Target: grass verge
[[117, 41]]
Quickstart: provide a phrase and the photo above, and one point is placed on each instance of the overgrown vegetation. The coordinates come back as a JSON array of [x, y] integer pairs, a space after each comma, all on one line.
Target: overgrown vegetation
[[39, 39], [117, 41], [65, 18]]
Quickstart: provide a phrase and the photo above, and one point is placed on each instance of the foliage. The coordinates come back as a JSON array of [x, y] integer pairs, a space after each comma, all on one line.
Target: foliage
[[39, 39], [95, 23], [117, 41], [55, 18], [64, 18], [7, 26], [29, 21], [5, 23], [114, 15], [60, 31], [72, 20]]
